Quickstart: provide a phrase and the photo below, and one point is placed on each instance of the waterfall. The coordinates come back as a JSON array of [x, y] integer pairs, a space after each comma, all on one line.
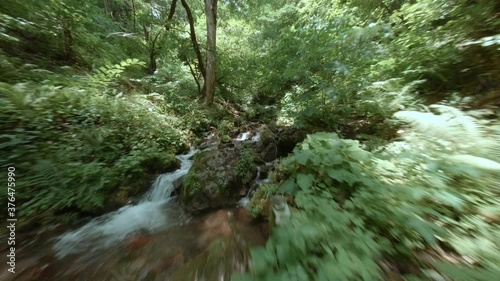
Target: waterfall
[[242, 136], [155, 211], [165, 184]]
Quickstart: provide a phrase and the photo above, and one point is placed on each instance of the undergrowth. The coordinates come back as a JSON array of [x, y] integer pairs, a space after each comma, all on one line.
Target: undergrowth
[[429, 192]]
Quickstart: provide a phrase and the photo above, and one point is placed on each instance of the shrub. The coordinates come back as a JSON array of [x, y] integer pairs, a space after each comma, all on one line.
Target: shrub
[[260, 198], [74, 147], [357, 208], [245, 168]]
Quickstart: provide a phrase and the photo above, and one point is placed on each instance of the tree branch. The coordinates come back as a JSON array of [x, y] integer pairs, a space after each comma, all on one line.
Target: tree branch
[[192, 33], [171, 15]]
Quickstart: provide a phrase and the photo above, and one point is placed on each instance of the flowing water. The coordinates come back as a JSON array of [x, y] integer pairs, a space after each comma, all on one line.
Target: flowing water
[[152, 240], [154, 212], [243, 136]]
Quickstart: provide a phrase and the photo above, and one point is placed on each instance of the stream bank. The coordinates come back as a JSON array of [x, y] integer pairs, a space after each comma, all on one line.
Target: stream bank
[[164, 236]]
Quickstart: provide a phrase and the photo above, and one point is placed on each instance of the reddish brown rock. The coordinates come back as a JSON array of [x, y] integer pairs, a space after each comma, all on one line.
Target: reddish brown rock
[[138, 242], [242, 215]]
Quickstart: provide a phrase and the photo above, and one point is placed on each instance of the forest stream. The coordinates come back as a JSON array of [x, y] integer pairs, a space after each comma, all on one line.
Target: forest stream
[[154, 239], [266, 140]]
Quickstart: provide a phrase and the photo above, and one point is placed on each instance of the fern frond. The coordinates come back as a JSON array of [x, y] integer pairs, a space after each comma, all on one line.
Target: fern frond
[[455, 129]]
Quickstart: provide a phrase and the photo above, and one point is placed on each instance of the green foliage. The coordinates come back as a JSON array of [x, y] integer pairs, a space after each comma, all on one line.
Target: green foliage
[[106, 74], [225, 139], [223, 184], [245, 168], [86, 124], [357, 207], [132, 167], [197, 120], [260, 198], [191, 185], [76, 146], [225, 127], [348, 65]]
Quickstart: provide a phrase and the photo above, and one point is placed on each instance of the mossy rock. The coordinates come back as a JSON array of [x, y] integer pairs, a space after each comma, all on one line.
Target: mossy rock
[[266, 137], [288, 138], [136, 177], [161, 163], [259, 204], [225, 139], [218, 179]]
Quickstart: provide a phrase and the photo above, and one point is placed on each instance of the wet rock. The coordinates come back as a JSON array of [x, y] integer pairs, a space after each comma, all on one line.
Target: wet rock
[[264, 172], [289, 137], [270, 153], [265, 229], [137, 264], [266, 137], [208, 142], [228, 234], [138, 242], [215, 225], [242, 216], [277, 142], [219, 261], [177, 260], [225, 145], [137, 178], [217, 179]]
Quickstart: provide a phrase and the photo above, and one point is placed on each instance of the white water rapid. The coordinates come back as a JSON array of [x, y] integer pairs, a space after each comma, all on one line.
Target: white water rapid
[[243, 136], [156, 211]]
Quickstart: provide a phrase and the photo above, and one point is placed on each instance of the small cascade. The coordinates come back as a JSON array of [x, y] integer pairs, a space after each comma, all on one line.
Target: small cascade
[[243, 136], [256, 137], [156, 211], [165, 184], [257, 182], [248, 137]]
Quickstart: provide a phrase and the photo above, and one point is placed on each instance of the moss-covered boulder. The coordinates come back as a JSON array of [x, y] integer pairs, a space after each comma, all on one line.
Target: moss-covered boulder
[[288, 138], [266, 137], [275, 141], [218, 178], [137, 172]]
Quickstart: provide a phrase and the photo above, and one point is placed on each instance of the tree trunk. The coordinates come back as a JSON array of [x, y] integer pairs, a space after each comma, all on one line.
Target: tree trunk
[[192, 33], [134, 14], [152, 61], [68, 48], [170, 15], [211, 14]]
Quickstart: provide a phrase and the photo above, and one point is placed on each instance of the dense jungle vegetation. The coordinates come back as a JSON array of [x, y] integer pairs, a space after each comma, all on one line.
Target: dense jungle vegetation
[[398, 178]]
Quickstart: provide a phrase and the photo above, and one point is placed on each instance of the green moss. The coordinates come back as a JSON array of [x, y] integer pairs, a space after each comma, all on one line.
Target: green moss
[[160, 162], [266, 136], [197, 142], [191, 185], [245, 167], [226, 139], [223, 184], [257, 159], [259, 199], [255, 209], [225, 127]]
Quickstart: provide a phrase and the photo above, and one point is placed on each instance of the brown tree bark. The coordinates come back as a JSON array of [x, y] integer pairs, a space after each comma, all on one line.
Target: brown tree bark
[[211, 15], [192, 33], [133, 14], [172, 10], [171, 14], [68, 45], [151, 41]]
